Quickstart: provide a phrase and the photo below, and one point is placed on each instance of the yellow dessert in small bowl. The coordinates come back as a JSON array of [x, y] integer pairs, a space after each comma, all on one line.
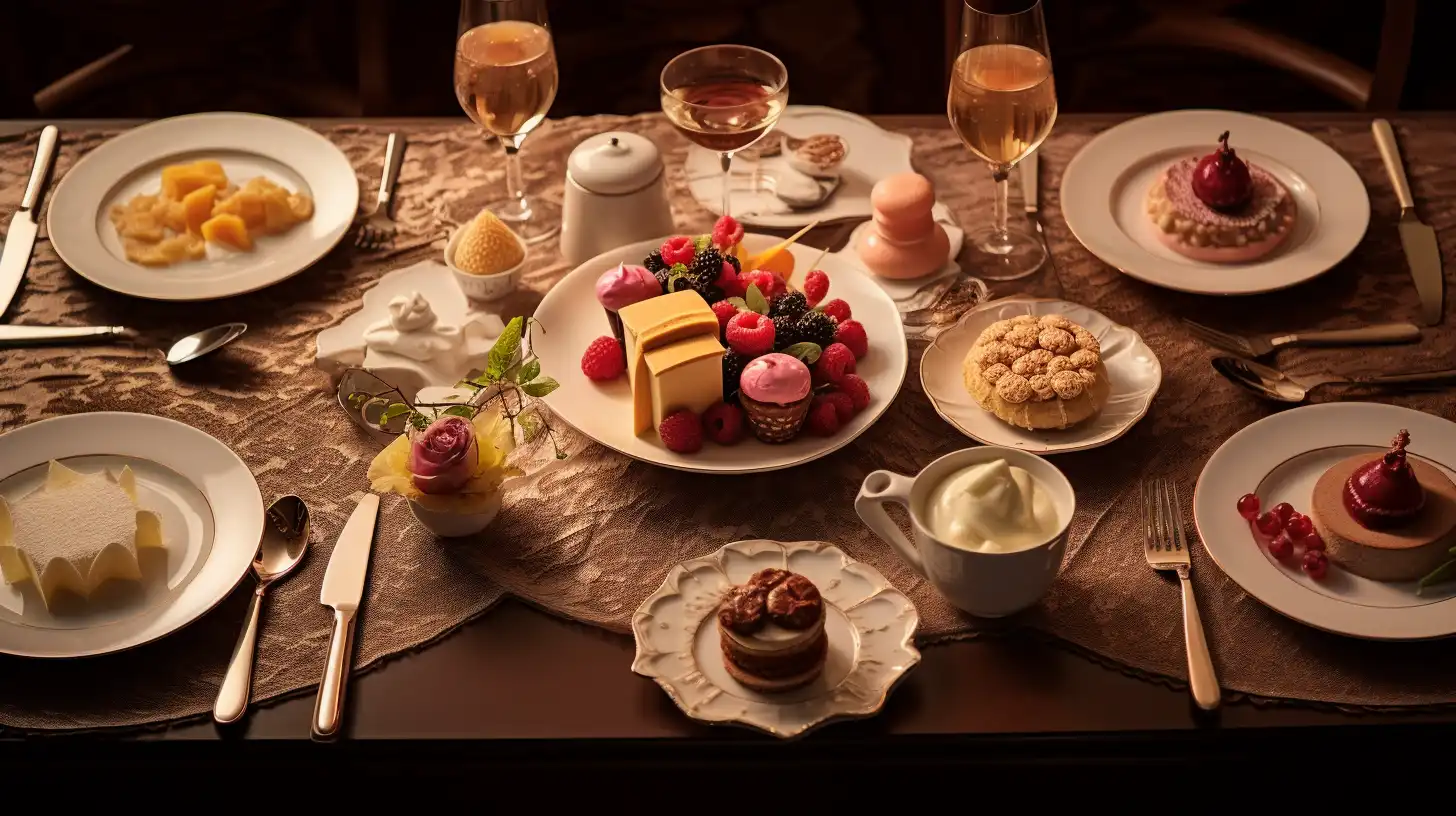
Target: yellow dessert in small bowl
[[487, 258]]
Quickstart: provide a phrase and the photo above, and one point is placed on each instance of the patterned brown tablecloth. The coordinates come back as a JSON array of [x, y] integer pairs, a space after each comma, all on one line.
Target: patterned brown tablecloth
[[593, 539]]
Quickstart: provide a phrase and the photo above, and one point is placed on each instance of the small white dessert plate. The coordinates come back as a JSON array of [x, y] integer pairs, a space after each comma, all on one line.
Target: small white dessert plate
[[570, 317], [1104, 186], [870, 626], [247, 145], [1279, 459], [212, 520], [1132, 369]]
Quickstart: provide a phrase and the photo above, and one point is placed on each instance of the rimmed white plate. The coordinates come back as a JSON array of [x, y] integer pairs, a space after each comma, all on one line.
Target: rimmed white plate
[[247, 145], [570, 317], [1132, 369], [1104, 186], [870, 625], [212, 520], [1279, 458]]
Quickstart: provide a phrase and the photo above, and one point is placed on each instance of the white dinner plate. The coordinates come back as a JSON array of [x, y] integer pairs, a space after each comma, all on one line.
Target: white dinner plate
[[1104, 186], [212, 521], [870, 626], [1279, 459], [1133, 371], [247, 145], [570, 317]]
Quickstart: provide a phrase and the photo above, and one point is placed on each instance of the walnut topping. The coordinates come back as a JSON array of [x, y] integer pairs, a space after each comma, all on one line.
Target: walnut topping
[[1084, 358], [1022, 337], [1032, 362], [1055, 322], [1014, 388], [1086, 340], [1041, 385], [1036, 358], [994, 372], [999, 352], [1057, 340], [1067, 384], [1060, 364]]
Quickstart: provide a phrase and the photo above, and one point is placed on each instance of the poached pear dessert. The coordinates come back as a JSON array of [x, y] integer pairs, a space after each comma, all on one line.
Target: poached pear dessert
[[1220, 208], [1389, 516]]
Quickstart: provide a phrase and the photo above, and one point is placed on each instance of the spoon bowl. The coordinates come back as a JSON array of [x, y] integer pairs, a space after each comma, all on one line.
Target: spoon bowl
[[189, 348]]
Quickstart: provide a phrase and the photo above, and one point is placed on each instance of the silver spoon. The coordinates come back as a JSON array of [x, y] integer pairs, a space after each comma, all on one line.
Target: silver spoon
[[192, 346], [285, 540], [1271, 383]]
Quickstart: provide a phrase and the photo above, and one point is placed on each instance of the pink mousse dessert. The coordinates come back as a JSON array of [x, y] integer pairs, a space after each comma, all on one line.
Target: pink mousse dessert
[[775, 391], [624, 285], [903, 241]]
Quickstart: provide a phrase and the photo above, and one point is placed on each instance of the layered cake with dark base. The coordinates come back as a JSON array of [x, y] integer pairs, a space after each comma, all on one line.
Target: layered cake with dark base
[[772, 631]]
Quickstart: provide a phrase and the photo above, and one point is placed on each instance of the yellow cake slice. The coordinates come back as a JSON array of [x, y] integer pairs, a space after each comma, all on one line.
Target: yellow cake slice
[[653, 323], [686, 374]]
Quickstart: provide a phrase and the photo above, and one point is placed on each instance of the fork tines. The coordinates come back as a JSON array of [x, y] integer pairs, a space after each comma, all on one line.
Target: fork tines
[[1162, 518], [370, 238], [1223, 340]]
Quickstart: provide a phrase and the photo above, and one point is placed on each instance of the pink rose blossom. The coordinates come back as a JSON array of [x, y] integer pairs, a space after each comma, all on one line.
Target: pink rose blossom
[[443, 456]]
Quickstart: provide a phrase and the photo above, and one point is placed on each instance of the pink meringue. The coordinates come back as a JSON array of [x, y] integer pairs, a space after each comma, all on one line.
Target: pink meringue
[[624, 285], [775, 378]]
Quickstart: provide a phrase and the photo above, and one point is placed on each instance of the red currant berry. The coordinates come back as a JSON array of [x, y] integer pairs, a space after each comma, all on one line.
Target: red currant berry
[[1280, 546], [1249, 506], [1299, 527], [1314, 541], [1285, 511], [1316, 564], [1269, 524]]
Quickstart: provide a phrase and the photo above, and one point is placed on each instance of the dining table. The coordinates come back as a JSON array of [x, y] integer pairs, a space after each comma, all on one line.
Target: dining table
[[520, 681]]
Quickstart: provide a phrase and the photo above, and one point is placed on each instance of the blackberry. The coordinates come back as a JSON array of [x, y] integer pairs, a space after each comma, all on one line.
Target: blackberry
[[786, 332], [707, 265], [654, 262], [815, 327], [735, 263], [792, 304], [733, 363], [712, 294], [662, 279]]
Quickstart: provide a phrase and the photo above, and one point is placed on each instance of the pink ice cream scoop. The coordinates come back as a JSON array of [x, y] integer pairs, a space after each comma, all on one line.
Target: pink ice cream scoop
[[903, 241], [775, 378], [624, 285]]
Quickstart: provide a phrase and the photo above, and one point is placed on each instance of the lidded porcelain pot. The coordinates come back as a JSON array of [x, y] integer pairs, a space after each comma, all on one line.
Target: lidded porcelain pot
[[616, 194]]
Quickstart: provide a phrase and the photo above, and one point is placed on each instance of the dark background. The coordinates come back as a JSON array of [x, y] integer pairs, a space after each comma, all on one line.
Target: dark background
[[393, 57]]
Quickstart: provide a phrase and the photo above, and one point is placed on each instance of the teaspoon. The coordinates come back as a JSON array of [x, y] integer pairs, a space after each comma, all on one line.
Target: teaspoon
[[189, 348], [285, 540], [1271, 383]]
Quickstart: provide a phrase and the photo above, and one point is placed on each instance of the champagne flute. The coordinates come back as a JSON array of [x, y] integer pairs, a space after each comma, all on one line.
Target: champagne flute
[[505, 79], [1002, 105], [724, 98]]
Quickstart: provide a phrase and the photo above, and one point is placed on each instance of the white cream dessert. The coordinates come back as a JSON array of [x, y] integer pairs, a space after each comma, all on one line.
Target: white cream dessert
[[76, 532], [412, 348], [991, 507]]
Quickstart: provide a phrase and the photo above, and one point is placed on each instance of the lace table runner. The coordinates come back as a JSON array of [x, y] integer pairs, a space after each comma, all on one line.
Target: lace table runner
[[615, 526]]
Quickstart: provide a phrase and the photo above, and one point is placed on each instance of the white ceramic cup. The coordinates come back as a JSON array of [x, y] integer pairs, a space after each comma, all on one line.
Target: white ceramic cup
[[987, 585], [484, 287]]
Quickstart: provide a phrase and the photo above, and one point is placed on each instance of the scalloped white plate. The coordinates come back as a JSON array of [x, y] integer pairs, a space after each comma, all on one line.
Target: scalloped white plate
[[1132, 367], [870, 624]]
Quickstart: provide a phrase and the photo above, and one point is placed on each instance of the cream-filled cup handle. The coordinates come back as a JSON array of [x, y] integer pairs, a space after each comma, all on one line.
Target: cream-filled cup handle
[[883, 486]]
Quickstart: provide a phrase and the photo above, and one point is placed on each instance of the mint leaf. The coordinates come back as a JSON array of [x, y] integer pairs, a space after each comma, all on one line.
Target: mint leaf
[[808, 352], [738, 303], [459, 410], [756, 301], [503, 353], [530, 371], [541, 387]]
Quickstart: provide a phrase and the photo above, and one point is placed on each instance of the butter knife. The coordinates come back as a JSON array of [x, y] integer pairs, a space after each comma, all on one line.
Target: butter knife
[[20, 237], [1031, 201], [343, 589], [12, 335], [1417, 239]]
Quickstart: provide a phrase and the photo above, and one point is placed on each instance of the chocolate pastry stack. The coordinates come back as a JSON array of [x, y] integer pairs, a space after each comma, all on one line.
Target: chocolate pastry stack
[[772, 630]]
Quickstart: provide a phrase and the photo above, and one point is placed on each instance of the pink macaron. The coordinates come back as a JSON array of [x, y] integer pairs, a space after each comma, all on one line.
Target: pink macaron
[[775, 378]]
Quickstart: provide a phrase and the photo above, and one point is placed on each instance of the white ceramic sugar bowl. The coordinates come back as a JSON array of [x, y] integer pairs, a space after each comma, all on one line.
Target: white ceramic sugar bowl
[[616, 194]]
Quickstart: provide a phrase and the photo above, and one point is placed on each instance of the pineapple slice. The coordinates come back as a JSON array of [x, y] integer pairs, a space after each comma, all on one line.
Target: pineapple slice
[[197, 207], [180, 179], [229, 230], [167, 251]]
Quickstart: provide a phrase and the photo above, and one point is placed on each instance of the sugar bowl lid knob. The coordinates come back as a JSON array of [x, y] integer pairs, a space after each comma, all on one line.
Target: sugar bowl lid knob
[[614, 163]]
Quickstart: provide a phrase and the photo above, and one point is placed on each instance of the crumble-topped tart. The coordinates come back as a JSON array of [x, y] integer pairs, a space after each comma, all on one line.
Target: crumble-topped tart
[[1037, 373]]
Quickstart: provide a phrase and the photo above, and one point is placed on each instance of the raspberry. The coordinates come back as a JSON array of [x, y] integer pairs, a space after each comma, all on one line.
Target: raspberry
[[857, 389], [837, 309], [679, 250], [604, 359], [834, 362], [852, 334], [823, 418], [729, 282], [723, 423], [767, 282], [681, 432], [816, 286], [750, 333], [727, 233], [725, 311], [843, 405]]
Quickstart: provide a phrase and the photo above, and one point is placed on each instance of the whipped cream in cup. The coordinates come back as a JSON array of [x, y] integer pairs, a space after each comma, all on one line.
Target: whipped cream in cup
[[991, 507]]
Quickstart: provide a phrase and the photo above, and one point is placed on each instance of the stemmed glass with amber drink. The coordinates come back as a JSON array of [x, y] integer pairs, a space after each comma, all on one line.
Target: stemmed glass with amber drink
[[724, 98], [505, 79], [1002, 104]]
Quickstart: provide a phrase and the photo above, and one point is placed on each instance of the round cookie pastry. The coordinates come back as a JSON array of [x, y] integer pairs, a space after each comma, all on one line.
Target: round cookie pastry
[[1037, 373]]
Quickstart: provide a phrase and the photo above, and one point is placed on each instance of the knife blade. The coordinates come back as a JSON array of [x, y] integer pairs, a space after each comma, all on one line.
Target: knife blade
[[1031, 202], [13, 335], [343, 588], [1417, 240], [20, 236]]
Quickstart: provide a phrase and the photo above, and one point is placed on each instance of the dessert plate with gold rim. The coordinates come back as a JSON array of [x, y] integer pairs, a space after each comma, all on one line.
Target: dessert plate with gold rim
[[870, 624], [1133, 372], [1104, 185], [570, 317], [1279, 459], [212, 521]]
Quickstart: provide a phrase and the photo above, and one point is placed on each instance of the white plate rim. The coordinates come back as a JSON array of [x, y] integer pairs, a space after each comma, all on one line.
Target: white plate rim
[[643, 617], [1070, 447], [1344, 202], [237, 516], [1242, 462], [75, 241]]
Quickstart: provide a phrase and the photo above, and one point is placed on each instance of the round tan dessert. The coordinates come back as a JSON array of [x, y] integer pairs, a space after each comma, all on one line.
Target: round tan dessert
[[1037, 373], [1195, 230], [1405, 552]]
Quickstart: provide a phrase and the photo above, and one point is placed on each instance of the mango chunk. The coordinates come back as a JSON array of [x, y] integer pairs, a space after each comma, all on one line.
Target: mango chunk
[[229, 230], [180, 179], [182, 247], [197, 207], [777, 258]]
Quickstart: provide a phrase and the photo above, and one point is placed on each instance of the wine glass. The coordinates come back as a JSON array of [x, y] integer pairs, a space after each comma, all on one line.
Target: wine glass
[[724, 98], [1002, 104], [505, 79]]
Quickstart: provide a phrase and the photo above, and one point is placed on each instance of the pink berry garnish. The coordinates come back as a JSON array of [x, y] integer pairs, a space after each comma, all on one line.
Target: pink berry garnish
[[1285, 511], [1269, 524], [1280, 546], [1314, 541], [1299, 527], [1249, 506], [1316, 564]]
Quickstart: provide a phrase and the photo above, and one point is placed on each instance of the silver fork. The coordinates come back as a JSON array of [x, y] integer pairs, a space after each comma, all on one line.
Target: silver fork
[[1258, 345], [1166, 548], [379, 228]]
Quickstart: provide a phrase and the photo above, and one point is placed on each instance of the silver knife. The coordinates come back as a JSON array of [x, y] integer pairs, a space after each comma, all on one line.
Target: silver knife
[[13, 335], [1030, 187], [343, 589], [20, 238], [1417, 239]]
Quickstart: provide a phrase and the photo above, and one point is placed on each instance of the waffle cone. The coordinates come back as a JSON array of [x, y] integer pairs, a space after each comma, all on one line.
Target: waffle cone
[[776, 423]]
